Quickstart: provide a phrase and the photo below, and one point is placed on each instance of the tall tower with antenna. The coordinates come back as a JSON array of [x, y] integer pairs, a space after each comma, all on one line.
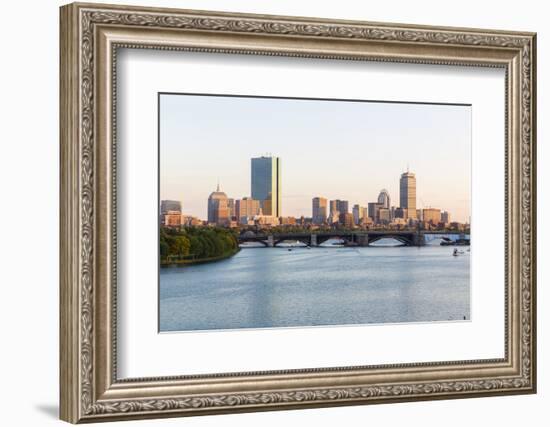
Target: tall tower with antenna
[[407, 193]]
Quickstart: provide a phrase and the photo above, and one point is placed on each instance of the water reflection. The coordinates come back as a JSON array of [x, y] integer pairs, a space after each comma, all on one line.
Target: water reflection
[[275, 287]]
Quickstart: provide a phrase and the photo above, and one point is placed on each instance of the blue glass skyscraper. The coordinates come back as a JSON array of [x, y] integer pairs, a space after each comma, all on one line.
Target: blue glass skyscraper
[[266, 184]]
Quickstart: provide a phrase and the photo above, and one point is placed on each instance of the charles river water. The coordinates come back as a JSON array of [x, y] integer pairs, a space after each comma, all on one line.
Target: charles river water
[[275, 287]]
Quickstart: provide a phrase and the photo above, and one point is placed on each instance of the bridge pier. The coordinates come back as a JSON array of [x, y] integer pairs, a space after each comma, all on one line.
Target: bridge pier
[[270, 241], [313, 240], [362, 239], [419, 239]]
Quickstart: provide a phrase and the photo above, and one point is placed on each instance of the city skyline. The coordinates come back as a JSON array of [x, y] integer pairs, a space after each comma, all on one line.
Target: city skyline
[[223, 210], [323, 210], [446, 185]]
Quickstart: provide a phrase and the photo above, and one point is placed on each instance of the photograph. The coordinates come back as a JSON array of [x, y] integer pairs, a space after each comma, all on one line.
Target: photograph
[[305, 212]]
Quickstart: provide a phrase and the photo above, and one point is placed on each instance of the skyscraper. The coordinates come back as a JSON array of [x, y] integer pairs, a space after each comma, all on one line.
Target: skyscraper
[[319, 210], [218, 209], [384, 198], [231, 208], [333, 213], [407, 193], [333, 207], [266, 184], [357, 212], [342, 206]]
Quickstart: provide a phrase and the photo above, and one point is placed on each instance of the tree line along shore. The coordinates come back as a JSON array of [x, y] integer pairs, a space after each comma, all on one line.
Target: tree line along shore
[[194, 245]]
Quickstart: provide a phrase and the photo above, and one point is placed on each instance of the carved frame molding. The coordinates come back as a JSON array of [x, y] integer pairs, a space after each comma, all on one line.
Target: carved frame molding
[[90, 390]]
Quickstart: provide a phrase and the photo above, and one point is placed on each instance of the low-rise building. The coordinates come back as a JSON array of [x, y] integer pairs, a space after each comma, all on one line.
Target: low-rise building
[[266, 220], [431, 215], [246, 209], [384, 216], [191, 221], [373, 208], [172, 219], [346, 219], [288, 220]]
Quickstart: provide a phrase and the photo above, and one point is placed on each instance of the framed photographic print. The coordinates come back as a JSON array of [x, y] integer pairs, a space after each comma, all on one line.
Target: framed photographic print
[[265, 212]]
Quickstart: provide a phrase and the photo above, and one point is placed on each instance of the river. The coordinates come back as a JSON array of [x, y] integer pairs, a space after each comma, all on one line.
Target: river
[[275, 287]]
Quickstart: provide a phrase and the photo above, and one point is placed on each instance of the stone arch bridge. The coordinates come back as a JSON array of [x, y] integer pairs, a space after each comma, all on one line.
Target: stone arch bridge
[[350, 238]]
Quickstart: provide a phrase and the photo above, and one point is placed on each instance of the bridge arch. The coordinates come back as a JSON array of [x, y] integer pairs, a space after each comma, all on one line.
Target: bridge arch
[[243, 239], [302, 239], [324, 238], [404, 239]]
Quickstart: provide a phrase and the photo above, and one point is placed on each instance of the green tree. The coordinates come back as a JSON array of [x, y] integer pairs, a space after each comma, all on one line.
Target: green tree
[[199, 242], [164, 249], [197, 247], [180, 246]]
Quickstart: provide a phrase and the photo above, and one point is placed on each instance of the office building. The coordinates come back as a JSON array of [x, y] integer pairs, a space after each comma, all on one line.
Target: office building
[[266, 184], [400, 213], [365, 220], [333, 208], [342, 206], [346, 219], [359, 213], [231, 208], [384, 216], [190, 221], [407, 194], [373, 209], [431, 216], [319, 210], [334, 218], [266, 220], [338, 207], [247, 208], [218, 209], [288, 220], [171, 219], [445, 217], [169, 205], [384, 198]]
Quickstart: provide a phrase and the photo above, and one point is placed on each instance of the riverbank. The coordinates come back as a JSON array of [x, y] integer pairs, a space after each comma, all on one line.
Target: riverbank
[[184, 262]]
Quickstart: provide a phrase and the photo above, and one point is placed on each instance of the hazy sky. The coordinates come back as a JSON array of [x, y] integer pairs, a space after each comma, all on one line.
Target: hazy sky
[[333, 149]]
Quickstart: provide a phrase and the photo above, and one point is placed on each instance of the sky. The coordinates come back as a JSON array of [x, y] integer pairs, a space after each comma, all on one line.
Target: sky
[[333, 149]]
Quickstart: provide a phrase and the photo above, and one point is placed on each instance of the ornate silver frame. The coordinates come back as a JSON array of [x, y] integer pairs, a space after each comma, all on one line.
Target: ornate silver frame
[[90, 36]]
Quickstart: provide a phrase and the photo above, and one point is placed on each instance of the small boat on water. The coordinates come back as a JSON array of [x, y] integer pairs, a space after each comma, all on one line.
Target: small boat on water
[[456, 252], [445, 241]]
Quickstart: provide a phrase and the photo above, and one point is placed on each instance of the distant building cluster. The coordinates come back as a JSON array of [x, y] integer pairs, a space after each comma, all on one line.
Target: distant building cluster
[[263, 207], [381, 213]]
